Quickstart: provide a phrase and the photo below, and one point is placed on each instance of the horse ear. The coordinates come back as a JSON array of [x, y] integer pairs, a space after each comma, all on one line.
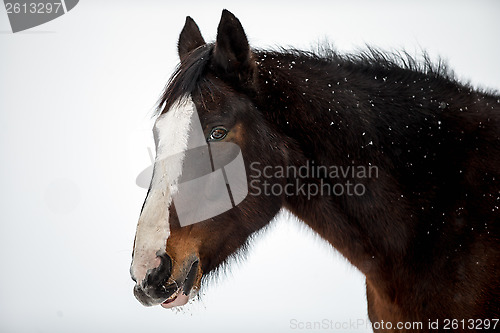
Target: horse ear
[[232, 53], [190, 38]]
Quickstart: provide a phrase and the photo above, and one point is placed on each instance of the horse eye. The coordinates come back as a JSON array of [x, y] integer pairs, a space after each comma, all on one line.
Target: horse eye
[[218, 133]]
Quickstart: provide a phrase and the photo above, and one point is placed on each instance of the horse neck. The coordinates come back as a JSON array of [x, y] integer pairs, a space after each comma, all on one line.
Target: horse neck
[[321, 116]]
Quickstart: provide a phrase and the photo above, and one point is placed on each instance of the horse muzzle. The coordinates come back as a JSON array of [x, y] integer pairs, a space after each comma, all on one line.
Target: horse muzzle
[[168, 287]]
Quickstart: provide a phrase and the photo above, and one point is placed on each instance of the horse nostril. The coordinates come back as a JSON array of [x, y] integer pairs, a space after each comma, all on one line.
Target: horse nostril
[[158, 276]]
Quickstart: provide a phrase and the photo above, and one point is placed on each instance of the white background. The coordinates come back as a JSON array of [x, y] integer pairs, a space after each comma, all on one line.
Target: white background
[[76, 100]]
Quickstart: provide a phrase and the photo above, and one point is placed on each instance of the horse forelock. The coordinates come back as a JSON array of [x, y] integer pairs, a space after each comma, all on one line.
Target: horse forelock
[[185, 78]]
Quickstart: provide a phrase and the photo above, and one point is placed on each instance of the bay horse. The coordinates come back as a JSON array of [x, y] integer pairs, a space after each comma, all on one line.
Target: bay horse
[[424, 227]]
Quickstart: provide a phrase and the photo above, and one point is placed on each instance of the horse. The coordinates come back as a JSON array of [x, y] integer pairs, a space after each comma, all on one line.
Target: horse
[[390, 159]]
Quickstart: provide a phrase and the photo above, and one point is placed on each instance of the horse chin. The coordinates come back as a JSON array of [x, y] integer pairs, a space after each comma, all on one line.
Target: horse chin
[[180, 297], [186, 290], [177, 299]]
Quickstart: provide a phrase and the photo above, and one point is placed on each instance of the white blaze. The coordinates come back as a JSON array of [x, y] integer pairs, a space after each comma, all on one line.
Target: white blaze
[[171, 131]]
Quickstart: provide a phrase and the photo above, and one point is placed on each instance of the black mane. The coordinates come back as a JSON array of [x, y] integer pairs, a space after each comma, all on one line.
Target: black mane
[[190, 72]]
